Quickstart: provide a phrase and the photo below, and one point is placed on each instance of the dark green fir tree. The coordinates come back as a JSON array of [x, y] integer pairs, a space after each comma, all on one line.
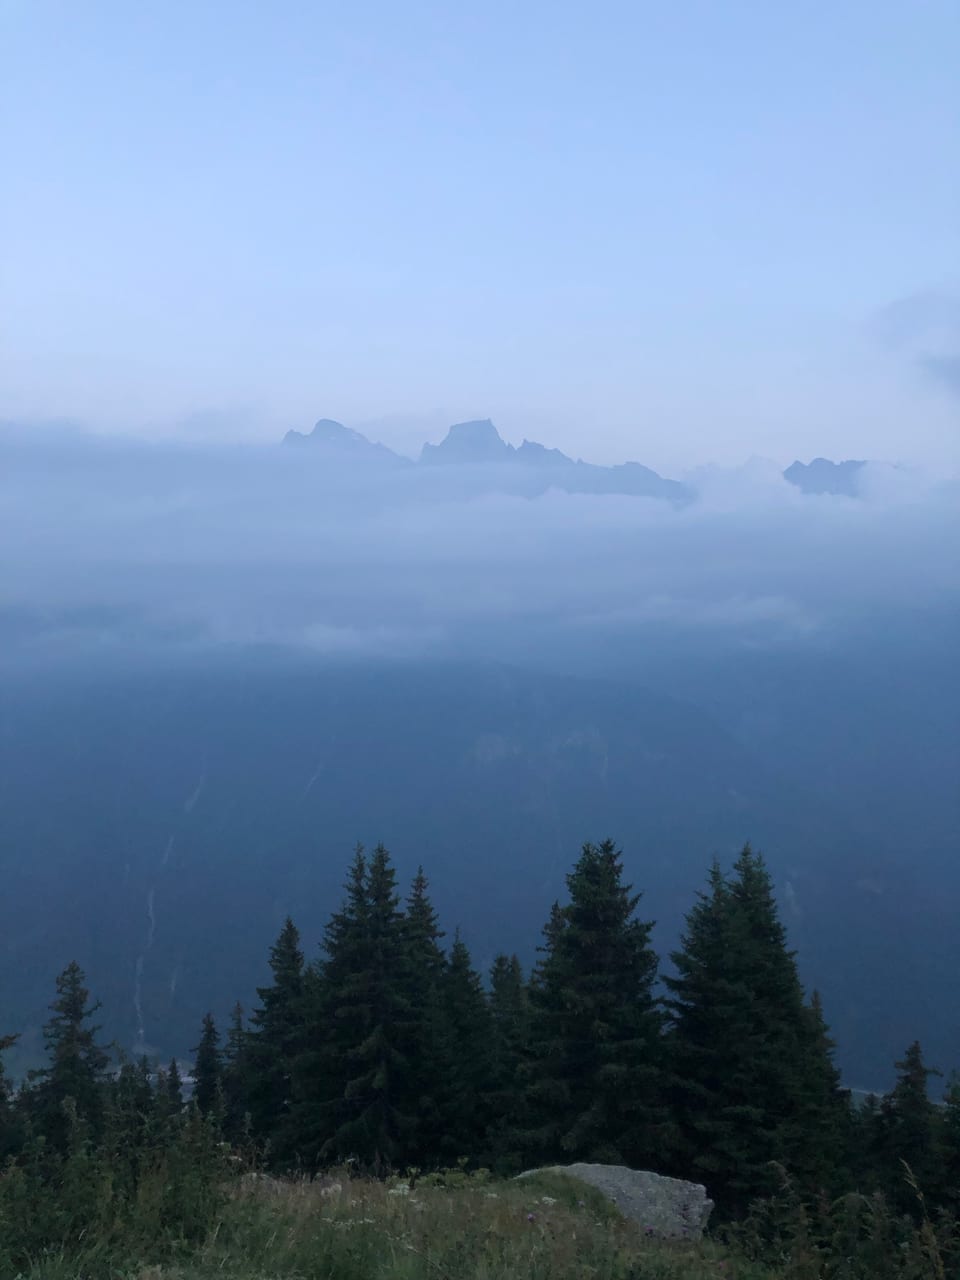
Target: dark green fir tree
[[909, 1133], [351, 1073], [237, 1078], [596, 1028], [174, 1086], [821, 1144], [332, 1025], [76, 1069], [273, 1045], [208, 1070], [11, 1129], [509, 1047], [949, 1191], [751, 1073], [465, 1057], [422, 1080]]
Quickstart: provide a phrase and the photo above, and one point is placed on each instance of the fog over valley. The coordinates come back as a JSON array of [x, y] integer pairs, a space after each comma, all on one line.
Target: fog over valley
[[222, 666], [337, 551]]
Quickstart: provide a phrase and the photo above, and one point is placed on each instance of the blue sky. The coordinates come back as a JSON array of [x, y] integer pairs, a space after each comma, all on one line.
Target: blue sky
[[676, 232]]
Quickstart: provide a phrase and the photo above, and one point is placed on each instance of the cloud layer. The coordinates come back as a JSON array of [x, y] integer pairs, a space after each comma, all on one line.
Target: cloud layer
[[109, 545]]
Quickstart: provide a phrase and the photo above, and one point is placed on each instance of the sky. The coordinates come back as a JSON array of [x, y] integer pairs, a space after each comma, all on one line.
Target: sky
[[677, 233]]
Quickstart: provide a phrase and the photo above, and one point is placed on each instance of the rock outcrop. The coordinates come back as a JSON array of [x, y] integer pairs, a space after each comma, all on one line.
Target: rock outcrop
[[666, 1207]]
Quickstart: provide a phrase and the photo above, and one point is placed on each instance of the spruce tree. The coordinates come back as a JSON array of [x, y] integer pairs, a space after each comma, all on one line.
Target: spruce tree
[[6, 1090], [77, 1065], [131, 1099], [10, 1126], [372, 1126], [820, 1146], [509, 1046], [422, 1079], [751, 1076], [274, 1043], [909, 1132], [949, 1191], [350, 1075], [236, 1082], [866, 1139], [174, 1085], [465, 1057], [208, 1070], [168, 1100], [596, 1028], [332, 1025], [131, 1124]]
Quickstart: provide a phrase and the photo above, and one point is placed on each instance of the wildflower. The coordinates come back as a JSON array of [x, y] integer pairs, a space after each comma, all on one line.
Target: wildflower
[[401, 1189], [490, 1195], [531, 1217], [547, 1200]]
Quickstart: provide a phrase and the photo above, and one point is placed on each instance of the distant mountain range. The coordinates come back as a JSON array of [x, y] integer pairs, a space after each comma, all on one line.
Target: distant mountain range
[[531, 469], [477, 447], [823, 476]]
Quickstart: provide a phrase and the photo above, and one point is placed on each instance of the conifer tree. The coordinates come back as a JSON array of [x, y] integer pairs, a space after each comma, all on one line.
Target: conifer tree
[[596, 1027], [236, 1082], [949, 1191], [168, 1100], [131, 1123], [175, 1086], [332, 1025], [208, 1069], [820, 1145], [422, 1080], [751, 1073], [466, 1057], [10, 1128], [865, 1158], [509, 1046], [76, 1070], [909, 1131], [131, 1100], [274, 1043], [6, 1042], [373, 1127], [350, 1076]]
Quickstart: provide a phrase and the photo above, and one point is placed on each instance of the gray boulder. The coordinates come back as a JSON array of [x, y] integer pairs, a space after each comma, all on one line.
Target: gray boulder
[[666, 1207]]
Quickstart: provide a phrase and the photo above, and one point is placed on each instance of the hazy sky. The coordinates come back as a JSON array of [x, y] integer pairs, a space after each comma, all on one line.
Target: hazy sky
[[673, 232]]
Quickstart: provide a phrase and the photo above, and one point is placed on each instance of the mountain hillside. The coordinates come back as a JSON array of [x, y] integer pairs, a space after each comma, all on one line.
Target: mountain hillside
[[157, 826]]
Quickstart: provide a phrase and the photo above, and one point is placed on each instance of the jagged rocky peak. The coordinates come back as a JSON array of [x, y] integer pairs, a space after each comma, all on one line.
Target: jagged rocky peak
[[539, 455], [333, 439], [825, 476], [477, 441], [329, 432]]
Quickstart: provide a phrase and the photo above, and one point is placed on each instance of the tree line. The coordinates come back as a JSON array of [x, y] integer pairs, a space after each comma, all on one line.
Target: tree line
[[390, 1051]]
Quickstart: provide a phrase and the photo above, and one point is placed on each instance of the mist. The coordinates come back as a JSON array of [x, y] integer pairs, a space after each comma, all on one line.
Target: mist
[[122, 546]]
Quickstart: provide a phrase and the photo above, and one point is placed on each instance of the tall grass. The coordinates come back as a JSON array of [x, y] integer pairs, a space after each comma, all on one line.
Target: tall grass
[[855, 1237], [460, 1226]]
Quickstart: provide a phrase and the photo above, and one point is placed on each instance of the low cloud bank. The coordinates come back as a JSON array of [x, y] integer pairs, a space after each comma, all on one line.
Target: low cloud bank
[[106, 543]]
